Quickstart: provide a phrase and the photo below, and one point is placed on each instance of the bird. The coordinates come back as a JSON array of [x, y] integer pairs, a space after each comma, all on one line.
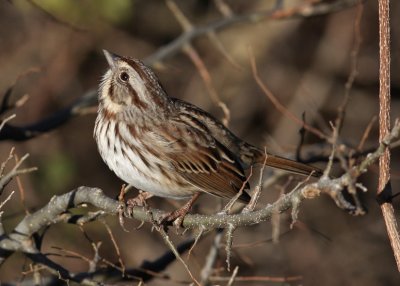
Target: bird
[[170, 148]]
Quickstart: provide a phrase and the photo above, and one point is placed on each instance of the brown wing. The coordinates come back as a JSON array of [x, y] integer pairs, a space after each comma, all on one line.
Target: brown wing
[[200, 159], [249, 154], [220, 133]]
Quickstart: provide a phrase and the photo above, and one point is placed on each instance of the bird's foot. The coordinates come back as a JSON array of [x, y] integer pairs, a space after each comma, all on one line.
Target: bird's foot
[[138, 201], [127, 208], [176, 217]]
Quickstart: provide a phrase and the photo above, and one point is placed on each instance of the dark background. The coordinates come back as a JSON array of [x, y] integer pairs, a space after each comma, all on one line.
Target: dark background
[[304, 61]]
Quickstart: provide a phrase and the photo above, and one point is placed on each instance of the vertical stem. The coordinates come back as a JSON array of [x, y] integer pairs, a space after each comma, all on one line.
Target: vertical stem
[[384, 126]]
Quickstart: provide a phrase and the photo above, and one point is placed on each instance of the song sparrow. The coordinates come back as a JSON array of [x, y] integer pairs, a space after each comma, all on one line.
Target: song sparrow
[[166, 146]]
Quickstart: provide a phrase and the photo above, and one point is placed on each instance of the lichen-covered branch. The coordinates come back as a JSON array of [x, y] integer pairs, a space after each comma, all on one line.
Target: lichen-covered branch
[[57, 209]]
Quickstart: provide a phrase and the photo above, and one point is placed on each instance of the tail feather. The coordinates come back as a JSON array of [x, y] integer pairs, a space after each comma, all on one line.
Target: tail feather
[[290, 165]]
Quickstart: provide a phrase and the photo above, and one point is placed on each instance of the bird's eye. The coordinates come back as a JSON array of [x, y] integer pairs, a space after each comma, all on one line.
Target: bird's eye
[[124, 76]]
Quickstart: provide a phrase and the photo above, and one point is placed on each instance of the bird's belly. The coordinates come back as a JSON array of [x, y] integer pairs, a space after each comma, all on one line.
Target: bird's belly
[[150, 182], [130, 167]]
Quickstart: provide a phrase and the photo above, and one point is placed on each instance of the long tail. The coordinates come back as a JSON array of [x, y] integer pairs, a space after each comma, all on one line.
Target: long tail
[[292, 166], [288, 165]]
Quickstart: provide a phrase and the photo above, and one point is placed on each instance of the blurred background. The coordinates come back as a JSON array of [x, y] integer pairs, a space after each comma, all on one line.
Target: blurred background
[[305, 61]]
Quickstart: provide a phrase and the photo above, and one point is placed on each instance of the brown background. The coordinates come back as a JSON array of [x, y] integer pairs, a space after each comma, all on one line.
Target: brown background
[[305, 62]]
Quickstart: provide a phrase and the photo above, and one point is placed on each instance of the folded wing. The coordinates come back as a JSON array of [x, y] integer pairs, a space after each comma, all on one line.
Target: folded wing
[[200, 159]]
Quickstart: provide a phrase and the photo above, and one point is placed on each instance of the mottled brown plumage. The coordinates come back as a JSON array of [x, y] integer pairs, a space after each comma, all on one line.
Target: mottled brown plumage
[[169, 147]]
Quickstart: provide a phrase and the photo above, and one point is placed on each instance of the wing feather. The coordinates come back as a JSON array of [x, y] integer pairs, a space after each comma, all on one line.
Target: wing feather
[[200, 159]]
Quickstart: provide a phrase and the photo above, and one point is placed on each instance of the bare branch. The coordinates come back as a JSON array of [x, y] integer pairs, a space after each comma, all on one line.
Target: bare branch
[[5, 179], [384, 188], [191, 52], [4, 121], [1, 212], [307, 9], [121, 262], [365, 134], [259, 279], [205, 75], [257, 190], [211, 258], [88, 100], [57, 20], [20, 239], [22, 133], [58, 205], [5, 102], [6, 200], [279, 106], [353, 67], [233, 276], [171, 246], [228, 246]]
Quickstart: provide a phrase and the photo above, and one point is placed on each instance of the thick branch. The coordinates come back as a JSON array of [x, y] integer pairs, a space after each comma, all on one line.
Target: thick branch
[[59, 205], [21, 238]]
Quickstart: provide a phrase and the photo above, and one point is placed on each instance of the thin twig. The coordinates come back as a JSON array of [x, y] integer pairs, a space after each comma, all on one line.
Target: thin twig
[[228, 245], [223, 8], [257, 190], [21, 189], [6, 200], [196, 240], [276, 217], [5, 102], [116, 247], [171, 246], [353, 66], [70, 254], [205, 75], [4, 164], [60, 204], [227, 12], [367, 131], [233, 276], [5, 179], [211, 257], [191, 52], [86, 102], [57, 20], [259, 279], [232, 201], [96, 249], [306, 9], [278, 105], [5, 120], [333, 140]]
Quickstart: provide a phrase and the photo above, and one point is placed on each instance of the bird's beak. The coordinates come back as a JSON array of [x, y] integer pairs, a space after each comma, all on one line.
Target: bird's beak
[[111, 58]]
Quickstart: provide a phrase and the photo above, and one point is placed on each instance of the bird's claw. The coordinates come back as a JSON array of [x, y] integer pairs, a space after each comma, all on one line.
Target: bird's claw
[[126, 209], [176, 217]]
